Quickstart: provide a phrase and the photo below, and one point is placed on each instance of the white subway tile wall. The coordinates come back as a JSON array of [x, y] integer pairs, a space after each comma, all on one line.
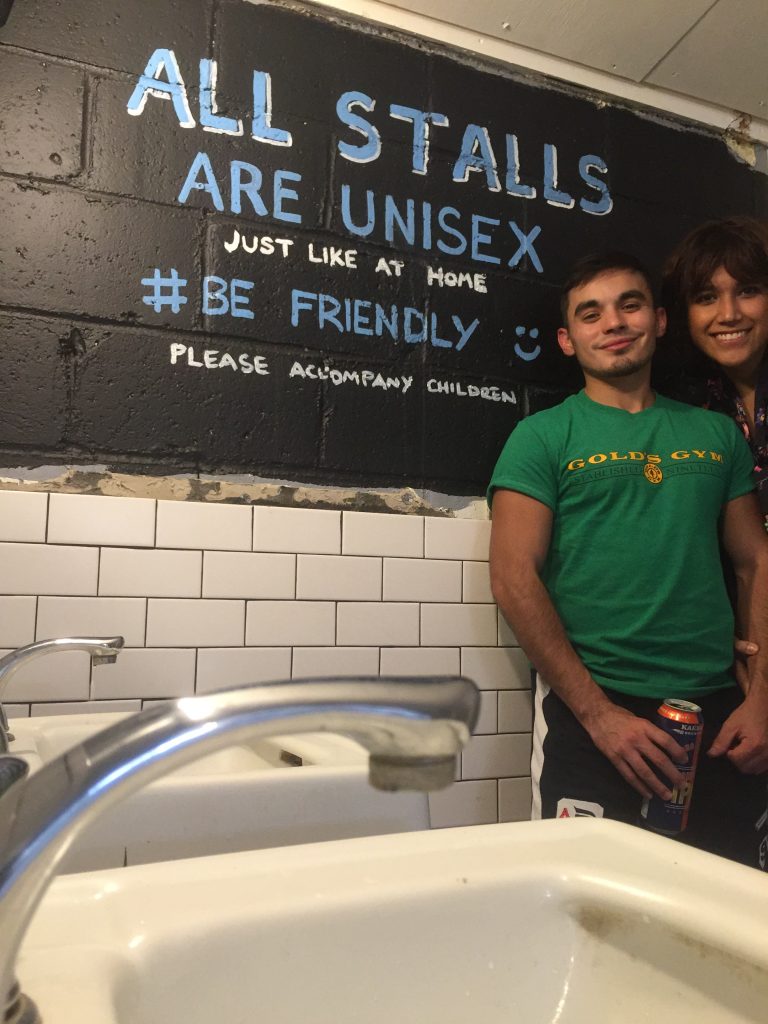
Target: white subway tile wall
[[476, 588], [446, 625], [457, 538], [18, 710], [85, 708], [215, 595], [488, 719], [17, 621], [304, 530], [290, 622], [420, 661], [419, 579], [48, 569], [335, 661], [465, 803], [220, 668], [144, 673], [235, 574], [93, 616], [204, 623], [515, 711], [514, 799], [137, 572], [374, 533], [200, 524], [97, 519], [338, 578], [63, 676], [23, 516]]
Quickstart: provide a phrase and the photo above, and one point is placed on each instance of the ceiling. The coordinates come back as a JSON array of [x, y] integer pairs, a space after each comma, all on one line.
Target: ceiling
[[711, 50]]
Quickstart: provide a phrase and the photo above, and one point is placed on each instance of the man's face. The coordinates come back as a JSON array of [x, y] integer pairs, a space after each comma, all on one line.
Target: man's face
[[612, 325]]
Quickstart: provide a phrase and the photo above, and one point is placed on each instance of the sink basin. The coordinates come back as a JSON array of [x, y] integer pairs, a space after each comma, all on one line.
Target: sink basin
[[553, 921], [272, 792], [43, 738]]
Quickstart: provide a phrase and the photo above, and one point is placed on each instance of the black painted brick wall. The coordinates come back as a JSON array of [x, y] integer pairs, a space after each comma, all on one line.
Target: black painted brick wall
[[89, 205]]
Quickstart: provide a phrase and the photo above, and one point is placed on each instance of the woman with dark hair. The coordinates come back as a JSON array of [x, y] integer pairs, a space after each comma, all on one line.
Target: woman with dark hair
[[715, 290]]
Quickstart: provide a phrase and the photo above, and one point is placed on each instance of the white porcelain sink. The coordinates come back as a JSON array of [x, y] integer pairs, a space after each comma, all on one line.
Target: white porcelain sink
[[43, 738], [538, 923], [272, 792]]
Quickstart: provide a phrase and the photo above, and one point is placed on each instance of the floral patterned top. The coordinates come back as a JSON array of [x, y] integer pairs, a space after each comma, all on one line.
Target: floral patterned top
[[723, 397]]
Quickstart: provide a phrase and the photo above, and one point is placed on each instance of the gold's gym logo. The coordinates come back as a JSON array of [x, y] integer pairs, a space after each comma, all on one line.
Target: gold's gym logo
[[651, 468]]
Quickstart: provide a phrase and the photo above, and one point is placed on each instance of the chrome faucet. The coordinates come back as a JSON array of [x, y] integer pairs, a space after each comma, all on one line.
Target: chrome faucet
[[102, 649], [412, 728]]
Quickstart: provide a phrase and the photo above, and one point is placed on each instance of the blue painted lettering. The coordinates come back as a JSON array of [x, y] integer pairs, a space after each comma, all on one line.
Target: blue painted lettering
[[465, 333], [215, 290], [477, 155], [261, 124], [426, 225], [553, 195], [526, 248], [382, 323], [362, 153], [604, 204], [328, 308], [283, 194], [346, 213], [421, 121], [209, 185], [210, 119], [437, 341], [162, 62], [481, 237], [364, 318], [245, 180], [250, 185], [406, 226], [512, 181], [461, 244], [238, 301], [410, 336]]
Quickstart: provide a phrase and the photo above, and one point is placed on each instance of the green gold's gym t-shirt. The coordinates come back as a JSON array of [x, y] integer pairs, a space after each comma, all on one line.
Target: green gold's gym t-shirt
[[634, 564]]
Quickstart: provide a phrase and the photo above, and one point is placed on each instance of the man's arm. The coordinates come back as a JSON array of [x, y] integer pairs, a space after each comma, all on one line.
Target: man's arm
[[520, 537], [744, 736]]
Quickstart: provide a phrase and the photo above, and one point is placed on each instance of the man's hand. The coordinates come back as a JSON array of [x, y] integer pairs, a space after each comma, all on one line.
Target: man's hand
[[632, 745], [743, 738]]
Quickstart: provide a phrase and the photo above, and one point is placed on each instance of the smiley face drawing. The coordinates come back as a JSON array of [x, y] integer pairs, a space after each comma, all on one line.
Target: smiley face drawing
[[652, 473], [527, 354]]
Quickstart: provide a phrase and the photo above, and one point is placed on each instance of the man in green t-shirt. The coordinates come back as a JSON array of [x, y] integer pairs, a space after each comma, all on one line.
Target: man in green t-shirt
[[608, 513]]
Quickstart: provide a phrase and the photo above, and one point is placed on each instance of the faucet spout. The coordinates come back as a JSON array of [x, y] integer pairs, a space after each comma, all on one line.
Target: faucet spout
[[102, 649], [413, 729]]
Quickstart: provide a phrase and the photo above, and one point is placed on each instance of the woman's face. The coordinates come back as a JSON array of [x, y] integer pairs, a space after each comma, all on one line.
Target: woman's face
[[728, 321]]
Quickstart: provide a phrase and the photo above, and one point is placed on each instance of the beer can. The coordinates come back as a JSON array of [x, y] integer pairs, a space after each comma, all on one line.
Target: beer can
[[684, 722]]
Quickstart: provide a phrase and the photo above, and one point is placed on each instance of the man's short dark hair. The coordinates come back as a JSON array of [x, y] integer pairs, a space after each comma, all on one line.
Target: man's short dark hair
[[740, 244], [591, 266]]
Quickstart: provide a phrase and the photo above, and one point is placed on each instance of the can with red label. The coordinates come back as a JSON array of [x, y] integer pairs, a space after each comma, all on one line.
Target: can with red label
[[684, 722]]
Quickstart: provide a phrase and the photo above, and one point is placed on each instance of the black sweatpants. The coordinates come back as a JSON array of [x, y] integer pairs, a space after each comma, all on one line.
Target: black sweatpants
[[571, 777]]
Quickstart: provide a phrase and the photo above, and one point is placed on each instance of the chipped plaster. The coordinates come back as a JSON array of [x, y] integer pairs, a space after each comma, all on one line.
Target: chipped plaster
[[240, 489]]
